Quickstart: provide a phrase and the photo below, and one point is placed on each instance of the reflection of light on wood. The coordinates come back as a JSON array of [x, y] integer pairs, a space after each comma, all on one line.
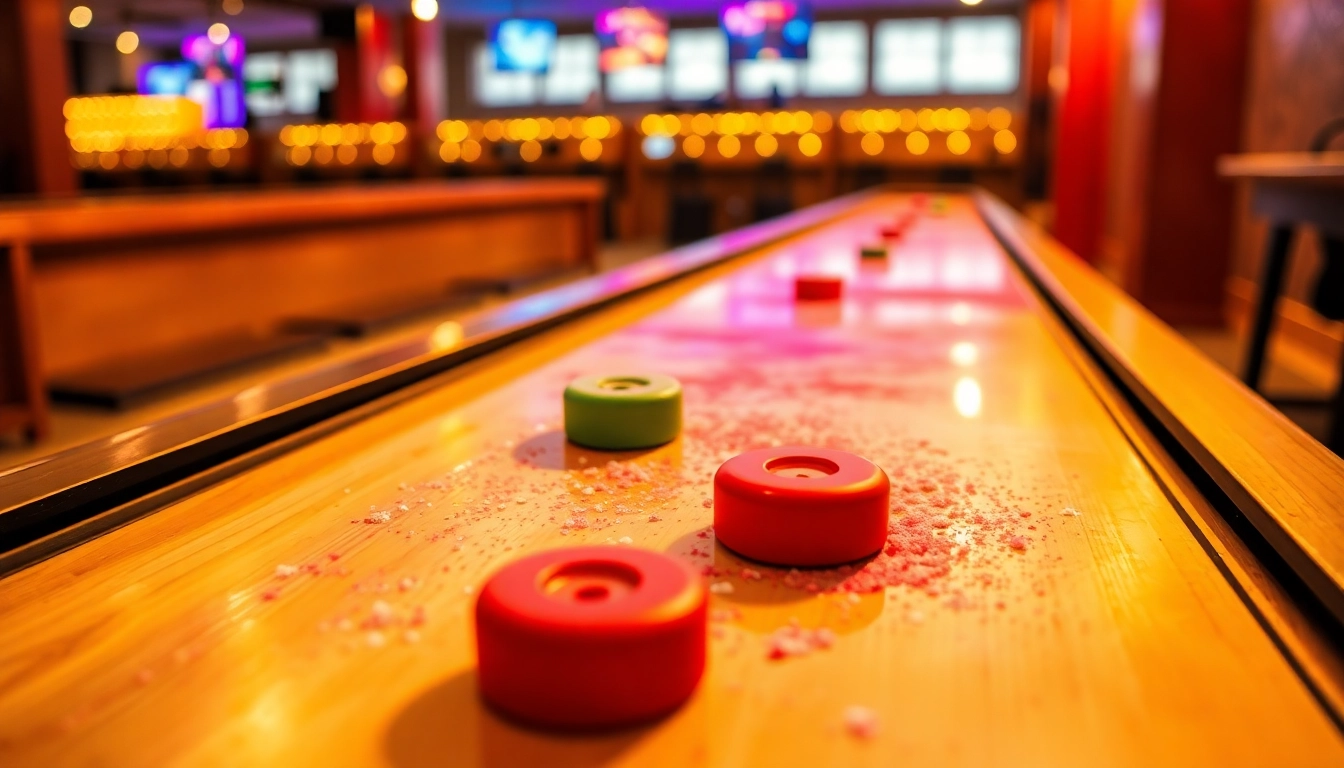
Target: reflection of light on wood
[[966, 397], [961, 313], [249, 402], [964, 353], [446, 336]]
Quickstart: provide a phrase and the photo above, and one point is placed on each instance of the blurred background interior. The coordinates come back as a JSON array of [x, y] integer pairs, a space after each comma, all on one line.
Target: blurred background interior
[[200, 195]]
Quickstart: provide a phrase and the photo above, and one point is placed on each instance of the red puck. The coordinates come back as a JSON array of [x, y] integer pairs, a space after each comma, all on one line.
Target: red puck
[[590, 637], [817, 287], [801, 506], [892, 231]]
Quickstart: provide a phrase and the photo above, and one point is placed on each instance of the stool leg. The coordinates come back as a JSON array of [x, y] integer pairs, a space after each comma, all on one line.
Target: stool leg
[[1276, 258], [1334, 436]]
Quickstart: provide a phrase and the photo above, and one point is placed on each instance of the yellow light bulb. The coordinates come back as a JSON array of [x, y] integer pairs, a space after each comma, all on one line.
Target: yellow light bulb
[[218, 33], [425, 10], [127, 42]]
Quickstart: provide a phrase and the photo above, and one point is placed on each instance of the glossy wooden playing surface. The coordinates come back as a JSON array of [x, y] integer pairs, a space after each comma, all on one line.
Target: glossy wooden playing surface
[[1041, 601]]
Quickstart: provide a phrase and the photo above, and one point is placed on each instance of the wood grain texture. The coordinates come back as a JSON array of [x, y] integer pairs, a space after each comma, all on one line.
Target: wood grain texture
[[1102, 638], [1263, 460]]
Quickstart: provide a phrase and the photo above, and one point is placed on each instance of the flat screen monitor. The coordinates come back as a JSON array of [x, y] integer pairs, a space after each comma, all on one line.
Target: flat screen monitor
[[630, 37], [766, 29], [523, 45], [165, 78]]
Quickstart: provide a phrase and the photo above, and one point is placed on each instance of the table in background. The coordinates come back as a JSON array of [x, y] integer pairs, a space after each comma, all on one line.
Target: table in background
[[1292, 190]]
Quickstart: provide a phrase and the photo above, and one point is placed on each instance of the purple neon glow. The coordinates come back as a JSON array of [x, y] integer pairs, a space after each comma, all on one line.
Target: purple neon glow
[[752, 17], [199, 49], [217, 85]]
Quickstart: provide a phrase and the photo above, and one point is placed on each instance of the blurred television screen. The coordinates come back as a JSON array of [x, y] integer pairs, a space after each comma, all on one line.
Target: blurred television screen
[[165, 78], [523, 45], [766, 29], [630, 37]]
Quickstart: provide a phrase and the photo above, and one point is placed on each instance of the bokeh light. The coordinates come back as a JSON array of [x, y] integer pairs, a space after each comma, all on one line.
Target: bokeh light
[[127, 42]]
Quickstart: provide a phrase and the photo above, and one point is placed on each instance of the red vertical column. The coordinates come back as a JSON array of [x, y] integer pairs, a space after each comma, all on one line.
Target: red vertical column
[[1082, 128], [366, 88], [425, 71], [1184, 242], [34, 154]]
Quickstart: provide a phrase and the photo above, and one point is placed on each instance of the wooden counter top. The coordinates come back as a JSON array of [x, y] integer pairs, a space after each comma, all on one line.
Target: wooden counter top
[[1321, 166], [88, 219]]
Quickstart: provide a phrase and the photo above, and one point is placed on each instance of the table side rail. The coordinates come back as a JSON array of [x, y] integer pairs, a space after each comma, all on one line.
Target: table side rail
[[1266, 470]]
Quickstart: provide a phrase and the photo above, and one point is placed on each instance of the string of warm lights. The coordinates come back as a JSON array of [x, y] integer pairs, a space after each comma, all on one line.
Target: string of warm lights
[[341, 142], [917, 125], [736, 123], [463, 139], [809, 126], [180, 156], [100, 127], [133, 131], [108, 122], [926, 120]]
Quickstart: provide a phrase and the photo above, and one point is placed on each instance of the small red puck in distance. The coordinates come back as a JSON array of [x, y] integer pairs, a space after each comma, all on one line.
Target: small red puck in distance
[[801, 506], [589, 638], [892, 231], [817, 287]]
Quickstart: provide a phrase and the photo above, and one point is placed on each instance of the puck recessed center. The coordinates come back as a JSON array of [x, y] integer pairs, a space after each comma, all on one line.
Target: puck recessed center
[[802, 466], [591, 583], [623, 382]]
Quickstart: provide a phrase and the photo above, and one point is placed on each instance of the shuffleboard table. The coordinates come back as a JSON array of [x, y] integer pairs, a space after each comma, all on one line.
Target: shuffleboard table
[[1102, 549]]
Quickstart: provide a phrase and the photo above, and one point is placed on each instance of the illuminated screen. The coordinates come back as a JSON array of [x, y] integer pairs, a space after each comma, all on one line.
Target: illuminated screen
[[165, 78], [837, 59], [523, 45], [573, 76], [982, 54], [907, 56], [766, 29], [217, 83], [495, 88], [697, 64], [630, 37]]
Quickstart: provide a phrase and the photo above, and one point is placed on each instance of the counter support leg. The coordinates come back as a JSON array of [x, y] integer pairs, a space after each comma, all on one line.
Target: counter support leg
[[1276, 258]]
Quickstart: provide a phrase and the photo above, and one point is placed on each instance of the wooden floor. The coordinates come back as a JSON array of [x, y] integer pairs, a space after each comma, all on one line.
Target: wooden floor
[[1040, 602]]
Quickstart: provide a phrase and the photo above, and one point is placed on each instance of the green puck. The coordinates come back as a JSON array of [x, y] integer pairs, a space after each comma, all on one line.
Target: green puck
[[873, 252], [619, 413]]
